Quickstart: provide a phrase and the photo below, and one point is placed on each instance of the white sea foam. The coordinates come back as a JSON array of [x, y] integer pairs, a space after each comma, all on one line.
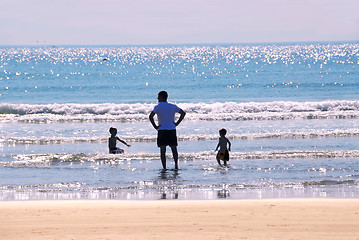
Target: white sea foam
[[299, 134], [228, 111], [47, 159]]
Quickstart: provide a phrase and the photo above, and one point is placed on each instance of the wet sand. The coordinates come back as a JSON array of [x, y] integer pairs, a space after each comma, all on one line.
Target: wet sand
[[172, 219]]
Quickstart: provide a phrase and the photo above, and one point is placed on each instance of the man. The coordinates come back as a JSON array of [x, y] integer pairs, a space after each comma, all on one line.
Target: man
[[166, 128]]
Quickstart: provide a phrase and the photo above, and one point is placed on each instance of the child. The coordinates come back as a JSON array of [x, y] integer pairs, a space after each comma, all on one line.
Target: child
[[222, 145], [112, 142]]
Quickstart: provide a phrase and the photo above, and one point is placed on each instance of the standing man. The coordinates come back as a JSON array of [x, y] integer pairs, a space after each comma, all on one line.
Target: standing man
[[166, 128]]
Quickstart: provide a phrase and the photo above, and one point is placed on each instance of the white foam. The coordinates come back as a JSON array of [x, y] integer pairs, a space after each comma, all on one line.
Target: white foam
[[46, 159], [299, 134], [229, 111]]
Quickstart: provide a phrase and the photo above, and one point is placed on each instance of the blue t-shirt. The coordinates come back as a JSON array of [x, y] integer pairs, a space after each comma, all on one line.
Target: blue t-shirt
[[166, 115]]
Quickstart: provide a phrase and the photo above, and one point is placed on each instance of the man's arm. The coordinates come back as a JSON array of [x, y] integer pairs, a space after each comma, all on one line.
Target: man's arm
[[182, 114], [152, 120]]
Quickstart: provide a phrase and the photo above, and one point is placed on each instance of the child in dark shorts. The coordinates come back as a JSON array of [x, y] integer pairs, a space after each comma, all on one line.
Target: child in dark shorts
[[223, 153], [112, 142]]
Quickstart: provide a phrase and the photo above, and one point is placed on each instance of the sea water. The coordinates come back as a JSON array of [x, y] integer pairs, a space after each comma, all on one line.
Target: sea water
[[291, 112]]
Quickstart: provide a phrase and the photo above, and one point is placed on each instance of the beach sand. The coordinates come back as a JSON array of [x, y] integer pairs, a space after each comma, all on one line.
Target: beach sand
[[173, 219]]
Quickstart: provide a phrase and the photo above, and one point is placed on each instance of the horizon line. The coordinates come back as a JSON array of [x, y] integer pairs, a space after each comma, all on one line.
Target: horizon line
[[178, 44]]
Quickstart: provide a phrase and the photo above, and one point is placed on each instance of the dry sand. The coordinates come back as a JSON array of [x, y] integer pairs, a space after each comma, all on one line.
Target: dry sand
[[172, 219]]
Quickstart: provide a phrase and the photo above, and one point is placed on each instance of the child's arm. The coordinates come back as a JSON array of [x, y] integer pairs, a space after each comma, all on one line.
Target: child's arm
[[123, 142], [217, 147], [229, 145]]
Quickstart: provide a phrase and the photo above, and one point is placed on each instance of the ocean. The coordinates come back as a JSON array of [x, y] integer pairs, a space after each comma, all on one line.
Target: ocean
[[291, 112]]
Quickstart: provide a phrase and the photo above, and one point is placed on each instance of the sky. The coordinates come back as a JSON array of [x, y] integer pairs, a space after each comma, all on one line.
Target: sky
[[143, 22]]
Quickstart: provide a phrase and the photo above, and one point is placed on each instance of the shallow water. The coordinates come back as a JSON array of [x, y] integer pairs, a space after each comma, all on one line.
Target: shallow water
[[104, 176], [291, 112]]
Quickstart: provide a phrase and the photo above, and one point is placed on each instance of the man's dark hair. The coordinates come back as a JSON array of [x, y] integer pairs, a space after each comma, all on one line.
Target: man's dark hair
[[163, 94]]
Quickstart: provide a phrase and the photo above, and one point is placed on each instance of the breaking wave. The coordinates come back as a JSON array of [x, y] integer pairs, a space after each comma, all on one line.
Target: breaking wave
[[228, 111], [299, 134], [102, 158]]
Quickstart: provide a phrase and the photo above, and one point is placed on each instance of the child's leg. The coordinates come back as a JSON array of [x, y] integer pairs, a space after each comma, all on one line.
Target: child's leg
[[218, 160], [226, 158]]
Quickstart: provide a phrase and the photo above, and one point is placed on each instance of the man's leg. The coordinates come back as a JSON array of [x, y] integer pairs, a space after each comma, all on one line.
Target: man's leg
[[163, 156], [175, 155]]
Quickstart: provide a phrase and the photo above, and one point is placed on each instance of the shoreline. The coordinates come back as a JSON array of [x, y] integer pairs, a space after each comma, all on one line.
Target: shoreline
[[176, 193], [307, 218]]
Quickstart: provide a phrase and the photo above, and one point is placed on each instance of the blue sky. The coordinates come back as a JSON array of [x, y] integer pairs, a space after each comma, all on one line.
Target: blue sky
[[123, 22]]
